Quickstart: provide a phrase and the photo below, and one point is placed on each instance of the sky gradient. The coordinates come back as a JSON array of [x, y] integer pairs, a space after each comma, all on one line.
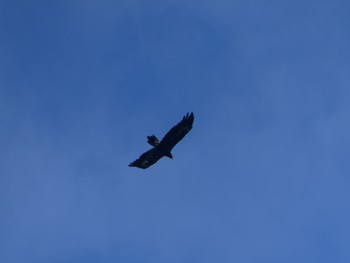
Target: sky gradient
[[263, 176]]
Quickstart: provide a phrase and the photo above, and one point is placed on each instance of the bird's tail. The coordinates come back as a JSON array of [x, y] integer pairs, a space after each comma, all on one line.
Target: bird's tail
[[152, 140]]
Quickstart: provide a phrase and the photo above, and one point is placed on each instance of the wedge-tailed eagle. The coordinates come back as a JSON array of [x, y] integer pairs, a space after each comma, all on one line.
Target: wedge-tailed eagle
[[163, 148]]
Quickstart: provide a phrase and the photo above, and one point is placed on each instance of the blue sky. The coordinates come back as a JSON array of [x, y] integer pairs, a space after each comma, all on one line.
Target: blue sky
[[262, 177]]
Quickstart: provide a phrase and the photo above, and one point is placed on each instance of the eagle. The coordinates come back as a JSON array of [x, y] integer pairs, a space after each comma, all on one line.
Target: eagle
[[163, 148]]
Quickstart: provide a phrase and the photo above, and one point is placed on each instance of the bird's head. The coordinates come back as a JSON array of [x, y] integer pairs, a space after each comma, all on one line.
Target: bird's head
[[169, 155]]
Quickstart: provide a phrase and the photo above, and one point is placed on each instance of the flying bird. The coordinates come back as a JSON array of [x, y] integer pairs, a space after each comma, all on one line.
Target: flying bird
[[163, 148]]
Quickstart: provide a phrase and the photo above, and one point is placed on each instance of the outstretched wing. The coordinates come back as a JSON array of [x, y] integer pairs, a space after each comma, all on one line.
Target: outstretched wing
[[147, 159], [177, 133]]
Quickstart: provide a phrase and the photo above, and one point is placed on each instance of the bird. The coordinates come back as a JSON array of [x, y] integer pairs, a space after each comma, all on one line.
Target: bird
[[163, 148]]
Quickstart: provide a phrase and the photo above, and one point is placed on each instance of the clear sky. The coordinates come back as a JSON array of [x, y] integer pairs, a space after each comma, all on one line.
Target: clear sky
[[264, 175]]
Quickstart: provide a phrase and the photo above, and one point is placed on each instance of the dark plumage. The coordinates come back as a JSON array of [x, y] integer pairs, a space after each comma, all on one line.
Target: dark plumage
[[164, 147], [152, 140]]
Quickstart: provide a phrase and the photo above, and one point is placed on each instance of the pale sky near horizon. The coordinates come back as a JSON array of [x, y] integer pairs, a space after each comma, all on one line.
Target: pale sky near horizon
[[263, 176]]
